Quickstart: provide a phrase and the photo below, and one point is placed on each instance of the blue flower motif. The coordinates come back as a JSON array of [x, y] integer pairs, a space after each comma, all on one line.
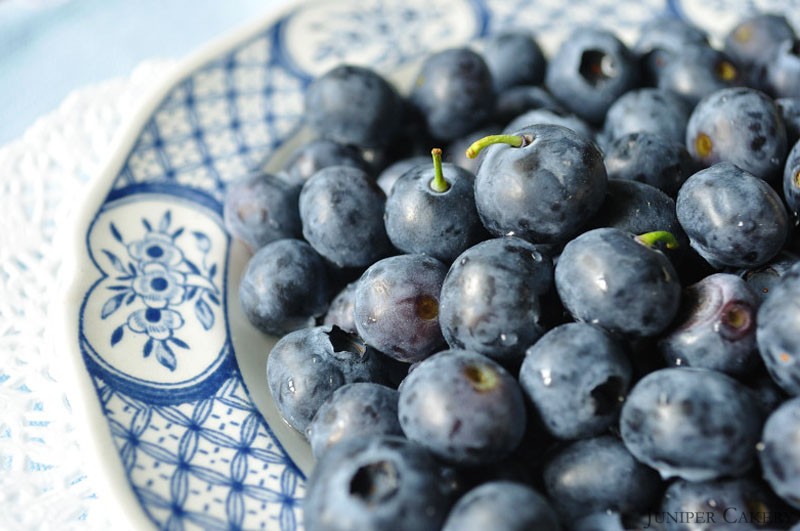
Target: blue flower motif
[[156, 323], [156, 247], [160, 286]]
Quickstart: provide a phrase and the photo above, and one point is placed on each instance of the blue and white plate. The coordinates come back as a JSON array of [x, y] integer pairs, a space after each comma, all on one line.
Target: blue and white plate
[[171, 376]]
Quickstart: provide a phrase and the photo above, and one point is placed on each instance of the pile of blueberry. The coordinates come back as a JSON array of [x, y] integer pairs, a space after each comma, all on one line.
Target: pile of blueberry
[[542, 293]]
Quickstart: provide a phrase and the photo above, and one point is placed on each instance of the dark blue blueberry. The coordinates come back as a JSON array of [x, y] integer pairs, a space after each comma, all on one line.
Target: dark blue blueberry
[[715, 328], [284, 287], [375, 484], [690, 506], [783, 70], [732, 218], [355, 410], [543, 191], [779, 452], [764, 278], [552, 117], [755, 39], [765, 390], [514, 58], [260, 208], [463, 407], [648, 110], [738, 125], [306, 366], [515, 101], [651, 159], [454, 92], [340, 312], [597, 475], [353, 105], [695, 72], [791, 181], [397, 306], [576, 376], [589, 71], [696, 424], [320, 153], [490, 299], [639, 208], [341, 208], [433, 215], [608, 277], [391, 173], [778, 332], [790, 113], [502, 506]]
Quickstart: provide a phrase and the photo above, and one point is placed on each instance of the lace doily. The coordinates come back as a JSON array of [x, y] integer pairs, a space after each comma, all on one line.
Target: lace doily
[[44, 483]]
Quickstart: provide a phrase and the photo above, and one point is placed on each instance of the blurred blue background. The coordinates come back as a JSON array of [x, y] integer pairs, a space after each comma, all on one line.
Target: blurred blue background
[[50, 47]]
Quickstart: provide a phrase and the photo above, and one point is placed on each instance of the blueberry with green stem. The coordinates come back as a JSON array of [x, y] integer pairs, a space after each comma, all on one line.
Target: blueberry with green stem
[[616, 280], [431, 210], [541, 183]]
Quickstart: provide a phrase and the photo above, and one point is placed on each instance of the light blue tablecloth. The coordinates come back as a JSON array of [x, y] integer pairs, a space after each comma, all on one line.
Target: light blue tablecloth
[[51, 47]]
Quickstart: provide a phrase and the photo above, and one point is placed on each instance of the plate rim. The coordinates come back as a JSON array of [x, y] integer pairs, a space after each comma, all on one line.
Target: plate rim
[[104, 467]]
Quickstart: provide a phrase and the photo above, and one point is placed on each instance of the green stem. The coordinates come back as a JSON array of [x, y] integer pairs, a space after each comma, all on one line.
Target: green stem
[[438, 183], [660, 236], [478, 145]]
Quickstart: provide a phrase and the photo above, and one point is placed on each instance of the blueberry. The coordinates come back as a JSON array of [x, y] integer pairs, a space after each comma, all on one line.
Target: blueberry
[[791, 181], [696, 424], [639, 208], [320, 153], [543, 191], [790, 113], [651, 159], [284, 287], [715, 328], [755, 39], [260, 208], [354, 105], [729, 501], [515, 101], [779, 452], [431, 210], [502, 506], [614, 279], [670, 34], [456, 152], [597, 475], [454, 92], [355, 410], [732, 218], [340, 312], [695, 72], [590, 70], [601, 521], [306, 366], [738, 125], [783, 70], [648, 110], [397, 306], [576, 376], [341, 208], [778, 332], [762, 279], [514, 58], [373, 484], [463, 407], [490, 298]]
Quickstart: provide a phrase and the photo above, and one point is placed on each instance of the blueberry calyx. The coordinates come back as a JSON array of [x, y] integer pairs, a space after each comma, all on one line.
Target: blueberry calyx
[[481, 377], [650, 239], [375, 482], [516, 141]]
